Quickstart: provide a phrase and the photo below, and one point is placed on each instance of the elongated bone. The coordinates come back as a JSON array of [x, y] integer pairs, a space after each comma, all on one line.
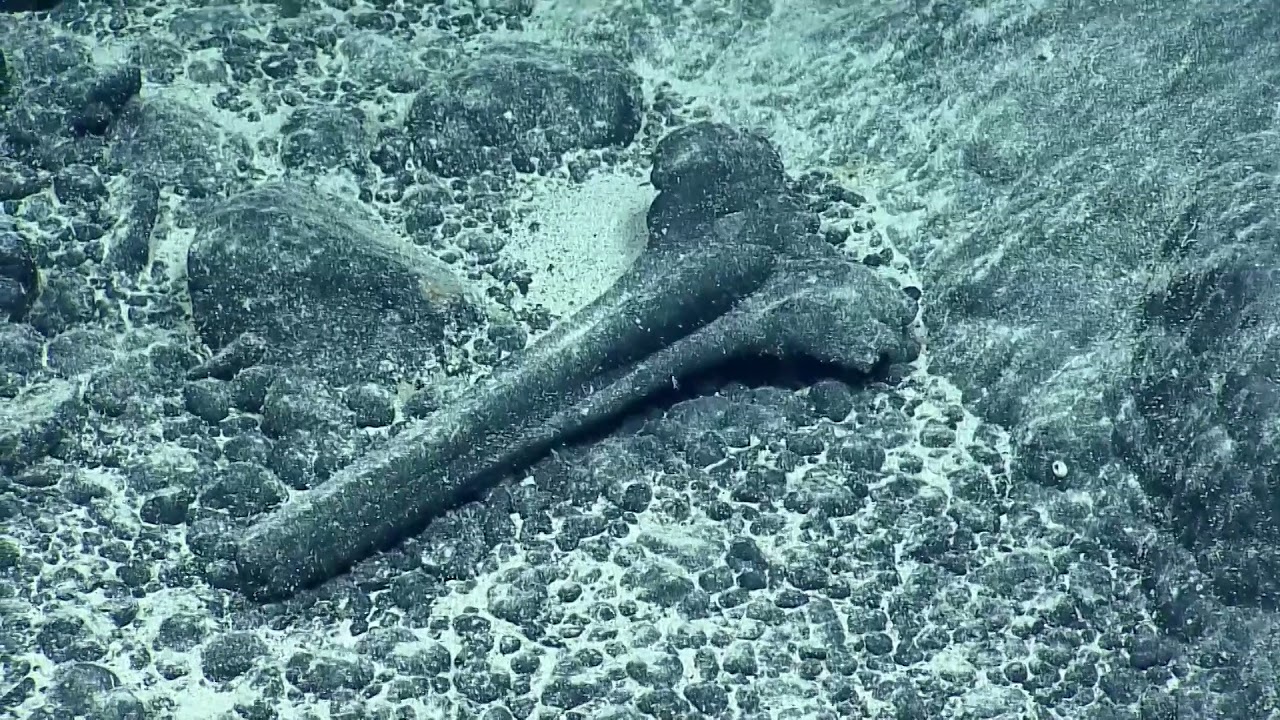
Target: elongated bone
[[727, 274]]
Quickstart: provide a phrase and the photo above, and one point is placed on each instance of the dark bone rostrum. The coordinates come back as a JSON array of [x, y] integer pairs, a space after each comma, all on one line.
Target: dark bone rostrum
[[731, 270]]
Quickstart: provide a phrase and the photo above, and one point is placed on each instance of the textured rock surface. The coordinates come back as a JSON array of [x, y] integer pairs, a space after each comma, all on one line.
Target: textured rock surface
[[524, 105], [19, 278], [1099, 283], [1063, 509], [321, 283]]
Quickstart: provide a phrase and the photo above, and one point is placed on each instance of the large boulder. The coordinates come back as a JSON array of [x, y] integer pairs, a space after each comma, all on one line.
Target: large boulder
[[322, 282], [521, 103]]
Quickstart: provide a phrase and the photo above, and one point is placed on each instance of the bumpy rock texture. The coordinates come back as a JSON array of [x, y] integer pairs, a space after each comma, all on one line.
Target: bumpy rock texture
[[1103, 287], [1062, 508], [321, 283], [521, 104], [18, 276]]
